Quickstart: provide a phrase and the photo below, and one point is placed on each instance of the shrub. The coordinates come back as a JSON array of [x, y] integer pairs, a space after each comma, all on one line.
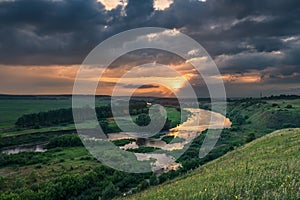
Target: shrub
[[38, 166], [64, 141], [250, 137], [109, 192], [123, 142], [143, 120], [289, 125]]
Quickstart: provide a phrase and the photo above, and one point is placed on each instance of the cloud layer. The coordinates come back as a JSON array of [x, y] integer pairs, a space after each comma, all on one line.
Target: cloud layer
[[259, 40]]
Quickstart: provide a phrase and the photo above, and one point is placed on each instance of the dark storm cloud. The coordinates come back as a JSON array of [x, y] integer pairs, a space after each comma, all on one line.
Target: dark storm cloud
[[52, 16], [137, 9], [49, 32], [144, 56], [249, 33], [140, 87]]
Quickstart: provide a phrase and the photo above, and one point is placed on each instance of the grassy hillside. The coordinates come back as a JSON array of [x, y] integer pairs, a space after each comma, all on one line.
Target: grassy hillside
[[267, 168], [263, 117]]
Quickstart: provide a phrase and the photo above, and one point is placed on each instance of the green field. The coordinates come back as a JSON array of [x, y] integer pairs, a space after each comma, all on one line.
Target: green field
[[174, 116], [55, 163], [267, 168], [12, 109]]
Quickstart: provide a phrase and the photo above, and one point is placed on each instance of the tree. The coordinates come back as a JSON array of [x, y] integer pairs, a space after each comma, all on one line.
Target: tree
[[250, 137], [239, 119], [104, 125], [71, 140], [143, 120], [153, 180], [167, 124], [109, 192]]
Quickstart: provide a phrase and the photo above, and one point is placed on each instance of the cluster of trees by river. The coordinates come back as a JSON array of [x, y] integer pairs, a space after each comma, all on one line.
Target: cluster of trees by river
[[65, 116]]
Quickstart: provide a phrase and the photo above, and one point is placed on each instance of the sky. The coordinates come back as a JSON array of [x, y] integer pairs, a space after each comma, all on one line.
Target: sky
[[255, 44]]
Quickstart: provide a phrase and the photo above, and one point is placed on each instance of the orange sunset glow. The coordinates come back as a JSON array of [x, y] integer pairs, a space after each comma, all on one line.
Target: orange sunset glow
[[24, 80]]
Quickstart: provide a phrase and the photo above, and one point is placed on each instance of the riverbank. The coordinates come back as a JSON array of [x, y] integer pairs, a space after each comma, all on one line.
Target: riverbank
[[198, 121]]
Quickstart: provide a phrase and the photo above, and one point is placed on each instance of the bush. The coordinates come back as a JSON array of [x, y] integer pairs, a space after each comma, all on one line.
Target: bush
[[109, 192], [71, 140], [21, 159], [123, 142], [289, 125], [143, 120], [153, 180], [250, 137], [2, 182], [143, 150], [239, 119], [39, 166], [168, 139]]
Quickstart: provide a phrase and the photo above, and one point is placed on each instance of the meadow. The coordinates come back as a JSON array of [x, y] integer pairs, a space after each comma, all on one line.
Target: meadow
[[14, 107], [267, 168]]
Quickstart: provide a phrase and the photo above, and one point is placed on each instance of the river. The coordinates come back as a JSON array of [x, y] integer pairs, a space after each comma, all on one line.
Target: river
[[198, 121], [25, 148]]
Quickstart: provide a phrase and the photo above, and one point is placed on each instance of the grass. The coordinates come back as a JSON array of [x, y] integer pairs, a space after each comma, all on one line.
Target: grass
[[174, 115], [60, 161], [12, 109], [267, 168], [266, 116], [40, 130]]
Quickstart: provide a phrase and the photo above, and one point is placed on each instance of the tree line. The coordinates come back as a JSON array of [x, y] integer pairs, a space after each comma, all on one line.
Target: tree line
[[64, 116]]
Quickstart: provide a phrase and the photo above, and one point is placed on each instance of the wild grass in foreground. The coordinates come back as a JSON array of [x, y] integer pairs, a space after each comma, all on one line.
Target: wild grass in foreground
[[267, 168]]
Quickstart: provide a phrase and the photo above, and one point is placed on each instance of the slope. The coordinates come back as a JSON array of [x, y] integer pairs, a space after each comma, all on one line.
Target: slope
[[267, 168]]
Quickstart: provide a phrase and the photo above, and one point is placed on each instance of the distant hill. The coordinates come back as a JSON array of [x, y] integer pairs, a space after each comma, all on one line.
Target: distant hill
[[49, 96], [267, 168]]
